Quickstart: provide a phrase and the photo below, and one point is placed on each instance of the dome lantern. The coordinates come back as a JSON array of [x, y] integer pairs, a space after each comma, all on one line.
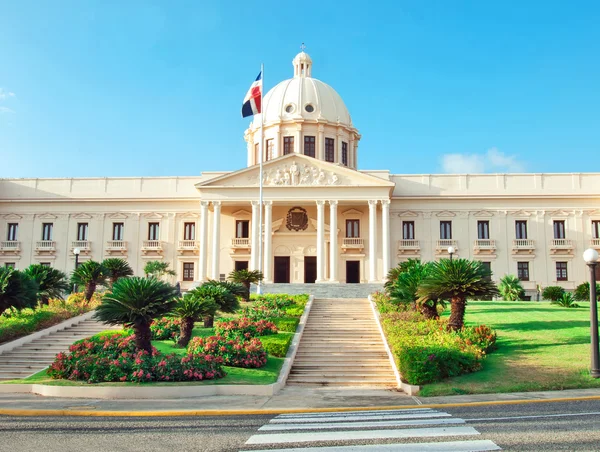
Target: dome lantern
[[302, 65]]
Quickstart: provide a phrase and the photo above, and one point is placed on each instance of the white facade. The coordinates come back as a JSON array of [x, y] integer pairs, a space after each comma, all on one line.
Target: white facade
[[324, 220]]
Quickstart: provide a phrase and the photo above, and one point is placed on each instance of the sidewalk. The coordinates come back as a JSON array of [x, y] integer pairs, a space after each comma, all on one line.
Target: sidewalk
[[289, 399]]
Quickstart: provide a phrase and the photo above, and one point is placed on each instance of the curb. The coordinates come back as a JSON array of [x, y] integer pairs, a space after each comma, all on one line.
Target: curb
[[183, 413]]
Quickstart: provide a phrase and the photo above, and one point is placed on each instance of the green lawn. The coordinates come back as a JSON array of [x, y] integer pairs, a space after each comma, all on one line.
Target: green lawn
[[540, 347]]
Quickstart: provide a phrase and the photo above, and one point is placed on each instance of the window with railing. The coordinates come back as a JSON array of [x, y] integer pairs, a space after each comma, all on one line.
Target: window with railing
[[47, 231], [242, 229], [288, 145], [82, 231], [408, 230], [523, 271], [445, 230], [352, 229], [521, 229], [13, 228], [596, 229], [329, 150], [189, 231], [344, 153], [117, 233], [153, 231], [309, 146], [188, 271], [483, 230], [559, 229], [269, 150], [561, 271]]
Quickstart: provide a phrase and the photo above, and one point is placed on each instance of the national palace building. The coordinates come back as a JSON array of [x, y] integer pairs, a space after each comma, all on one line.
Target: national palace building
[[325, 220]]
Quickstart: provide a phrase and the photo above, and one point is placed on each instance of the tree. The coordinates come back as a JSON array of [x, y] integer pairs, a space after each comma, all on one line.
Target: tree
[[404, 289], [226, 301], [89, 274], [116, 268], [456, 280], [158, 269], [553, 293], [51, 283], [511, 288], [135, 302], [16, 289], [582, 292], [194, 306], [246, 277], [393, 274]]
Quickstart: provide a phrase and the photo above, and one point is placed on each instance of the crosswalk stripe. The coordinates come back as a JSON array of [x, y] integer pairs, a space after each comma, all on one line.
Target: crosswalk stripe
[[385, 417], [450, 446], [360, 435], [363, 412], [324, 426]]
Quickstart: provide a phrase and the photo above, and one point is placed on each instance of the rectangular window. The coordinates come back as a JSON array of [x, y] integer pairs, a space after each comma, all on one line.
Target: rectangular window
[[344, 154], [596, 229], [9, 265], [523, 271], [329, 150], [189, 231], [408, 230], [352, 229], [269, 150], [82, 231], [47, 231], [153, 231], [521, 229], [188, 271], [309, 146], [445, 230], [242, 229], [117, 231], [46, 264], [483, 230], [559, 229], [561, 271], [288, 145], [488, 267], [13, 228]]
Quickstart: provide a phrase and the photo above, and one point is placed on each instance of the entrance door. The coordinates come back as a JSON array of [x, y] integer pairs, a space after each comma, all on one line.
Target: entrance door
[[282, 269], [241, 265], [353, 272], [310, 269]]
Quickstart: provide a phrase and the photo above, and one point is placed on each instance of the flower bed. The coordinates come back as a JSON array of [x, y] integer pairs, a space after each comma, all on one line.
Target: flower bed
[[105, 358], [244, 327], [273, 306], [165, 328], [235, 352]]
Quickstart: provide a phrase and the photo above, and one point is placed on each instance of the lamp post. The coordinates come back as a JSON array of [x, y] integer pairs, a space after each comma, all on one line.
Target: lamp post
[[76, 252], [590, 256], [451, 251]]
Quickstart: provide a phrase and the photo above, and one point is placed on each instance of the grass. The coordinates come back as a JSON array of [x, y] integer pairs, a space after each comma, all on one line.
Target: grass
[[540, 347]]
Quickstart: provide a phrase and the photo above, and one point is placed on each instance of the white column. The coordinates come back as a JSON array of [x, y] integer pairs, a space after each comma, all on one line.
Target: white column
[[385, 235], [216, 247], [373, 241], [203, 240], [268, 260], [333, 244], [254, 235], [320, 154], [298, 144], [320, 240], [351, 163]]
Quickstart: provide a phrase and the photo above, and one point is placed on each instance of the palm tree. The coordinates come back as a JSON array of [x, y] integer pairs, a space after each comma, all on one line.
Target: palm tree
[[135, 302], [116, 268], [237, 289], [158, 269], [89, 274], [52, 283], [16, 289], [511, 288], [404, 289], [194, 306], [456, 280], [246, 277], [226, 301], [393, 274]]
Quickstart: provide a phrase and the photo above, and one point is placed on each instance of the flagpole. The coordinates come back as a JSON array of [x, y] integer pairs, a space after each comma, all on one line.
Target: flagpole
[[260, 184]]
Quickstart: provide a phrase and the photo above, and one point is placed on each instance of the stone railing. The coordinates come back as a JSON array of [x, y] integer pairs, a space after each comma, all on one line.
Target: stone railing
[[484, 244], [408, 244], [84, 246], [353, 243], [151, 246], [242, 242], [524, 244], [116, 245], [46, 246], [442, 245], [563, 244], [188, 245], [595, 243], [10, 246]]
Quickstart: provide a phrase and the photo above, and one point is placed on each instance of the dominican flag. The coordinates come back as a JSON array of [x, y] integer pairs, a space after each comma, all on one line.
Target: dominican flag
[[253, 97]]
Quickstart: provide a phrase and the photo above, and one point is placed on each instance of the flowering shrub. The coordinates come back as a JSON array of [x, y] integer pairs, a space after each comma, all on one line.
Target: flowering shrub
[[273, 306], [235, 352], [481, 335], [244, 327], [114, 358], [165, 328]]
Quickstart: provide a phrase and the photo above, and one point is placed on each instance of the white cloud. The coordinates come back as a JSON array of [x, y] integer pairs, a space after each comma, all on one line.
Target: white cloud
[[6, 110], [493, 161], [4, 94]]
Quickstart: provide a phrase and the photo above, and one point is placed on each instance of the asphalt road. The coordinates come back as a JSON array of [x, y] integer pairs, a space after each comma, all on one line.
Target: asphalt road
[[532, 426]]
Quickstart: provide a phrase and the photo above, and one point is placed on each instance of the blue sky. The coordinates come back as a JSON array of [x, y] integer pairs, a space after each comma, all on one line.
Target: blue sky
[[154, 88]]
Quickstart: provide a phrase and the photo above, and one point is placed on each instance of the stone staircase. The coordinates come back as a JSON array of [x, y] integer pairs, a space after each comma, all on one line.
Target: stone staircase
[[38, 354], [341, 346], [323, 290]]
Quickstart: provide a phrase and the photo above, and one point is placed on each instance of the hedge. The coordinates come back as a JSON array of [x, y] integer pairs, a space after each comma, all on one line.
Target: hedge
[[277, 345]]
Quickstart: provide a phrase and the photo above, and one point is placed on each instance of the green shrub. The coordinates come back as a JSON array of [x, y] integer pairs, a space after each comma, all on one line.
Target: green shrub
[[582, 292], [481, 335], [287, 324], [384, 303], [244, 327], [553, 293], [294, 311], [277, 345], [566, 301], [272, 306]]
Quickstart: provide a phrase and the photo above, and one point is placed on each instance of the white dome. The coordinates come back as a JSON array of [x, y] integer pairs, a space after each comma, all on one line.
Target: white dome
[[303, 97]]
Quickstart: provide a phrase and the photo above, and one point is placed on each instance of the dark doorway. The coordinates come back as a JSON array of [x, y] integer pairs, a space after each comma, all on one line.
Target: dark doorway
[[353, 272], [241, 265], [282, 269], [310, 269]]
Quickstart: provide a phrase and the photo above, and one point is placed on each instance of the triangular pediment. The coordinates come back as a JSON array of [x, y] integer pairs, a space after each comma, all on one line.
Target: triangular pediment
[[408, 214], [445, 213], [12, 216], [353, 212], [117, 216], [296, 170], [560, 213], [82, 216], [47, 216], [241, 214], [191, 215], [153, 216], [521, 213], [483, 213]]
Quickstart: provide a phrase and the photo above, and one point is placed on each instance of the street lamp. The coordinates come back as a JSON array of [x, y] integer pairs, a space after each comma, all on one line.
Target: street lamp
[[451, 251], [76, 252], [590, 256]]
